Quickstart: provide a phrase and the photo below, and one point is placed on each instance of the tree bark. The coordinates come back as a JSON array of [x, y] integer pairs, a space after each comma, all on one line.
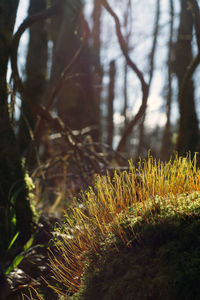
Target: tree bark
[[188, 127], [75, 102], [35, 82], [13, 192], [97, 72]]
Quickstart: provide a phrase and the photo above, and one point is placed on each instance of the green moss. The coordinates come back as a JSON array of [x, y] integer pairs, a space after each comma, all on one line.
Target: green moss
[[30, 191], [135, 236], [161, 262]]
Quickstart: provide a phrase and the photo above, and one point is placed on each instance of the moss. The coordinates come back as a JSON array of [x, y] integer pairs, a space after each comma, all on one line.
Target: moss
[[30, 186], [135, 236], [163, 264]]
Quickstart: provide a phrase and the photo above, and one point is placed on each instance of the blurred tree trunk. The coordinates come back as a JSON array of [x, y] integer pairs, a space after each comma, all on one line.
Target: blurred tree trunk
[[188, 127], [128, 30], [111, 97], [75, 102], [13, 192], [97, 72], [36, 75], [125, 108], [167, 138], [141, 143]]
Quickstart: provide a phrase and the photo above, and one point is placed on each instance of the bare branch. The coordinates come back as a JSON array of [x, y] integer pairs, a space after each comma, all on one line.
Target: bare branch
[[132, 65], [59, 83], [50, 95], [123, 47], [155, 39], [84, 154]]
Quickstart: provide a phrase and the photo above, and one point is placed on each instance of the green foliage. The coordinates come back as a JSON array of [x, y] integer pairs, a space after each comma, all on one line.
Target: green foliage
[[31, 187], [13, 241], [14, 234], [16, 261]]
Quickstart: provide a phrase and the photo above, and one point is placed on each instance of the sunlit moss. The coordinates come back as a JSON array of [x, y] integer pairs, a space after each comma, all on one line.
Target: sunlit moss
[[119, 215]]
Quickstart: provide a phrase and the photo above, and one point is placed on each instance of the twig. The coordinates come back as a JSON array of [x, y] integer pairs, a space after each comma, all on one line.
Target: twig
[[59, 83], [123, 46], [132, 65]]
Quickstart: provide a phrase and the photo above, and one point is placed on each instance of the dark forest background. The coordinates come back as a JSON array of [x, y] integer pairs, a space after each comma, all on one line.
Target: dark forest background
[[58, 118]]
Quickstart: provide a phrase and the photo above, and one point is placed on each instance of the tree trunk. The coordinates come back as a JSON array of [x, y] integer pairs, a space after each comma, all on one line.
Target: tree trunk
[[13, 192], [36, 75], [188, 128], [128, 24], [167, 136], [111, 96], [75, 102], [140, 149], [97, 72]]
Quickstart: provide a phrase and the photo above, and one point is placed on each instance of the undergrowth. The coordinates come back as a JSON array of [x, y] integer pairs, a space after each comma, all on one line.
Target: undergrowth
[[113, 216]]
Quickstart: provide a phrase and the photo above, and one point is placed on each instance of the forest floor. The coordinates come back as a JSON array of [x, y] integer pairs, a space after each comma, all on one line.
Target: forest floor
[[33, 272]]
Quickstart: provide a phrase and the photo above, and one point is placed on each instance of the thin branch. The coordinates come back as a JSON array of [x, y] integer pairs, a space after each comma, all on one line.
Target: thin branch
[[18, 84], [155, 39], [132, 65], [83, 153], [63, 76], [123, 46], [49, 98]]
